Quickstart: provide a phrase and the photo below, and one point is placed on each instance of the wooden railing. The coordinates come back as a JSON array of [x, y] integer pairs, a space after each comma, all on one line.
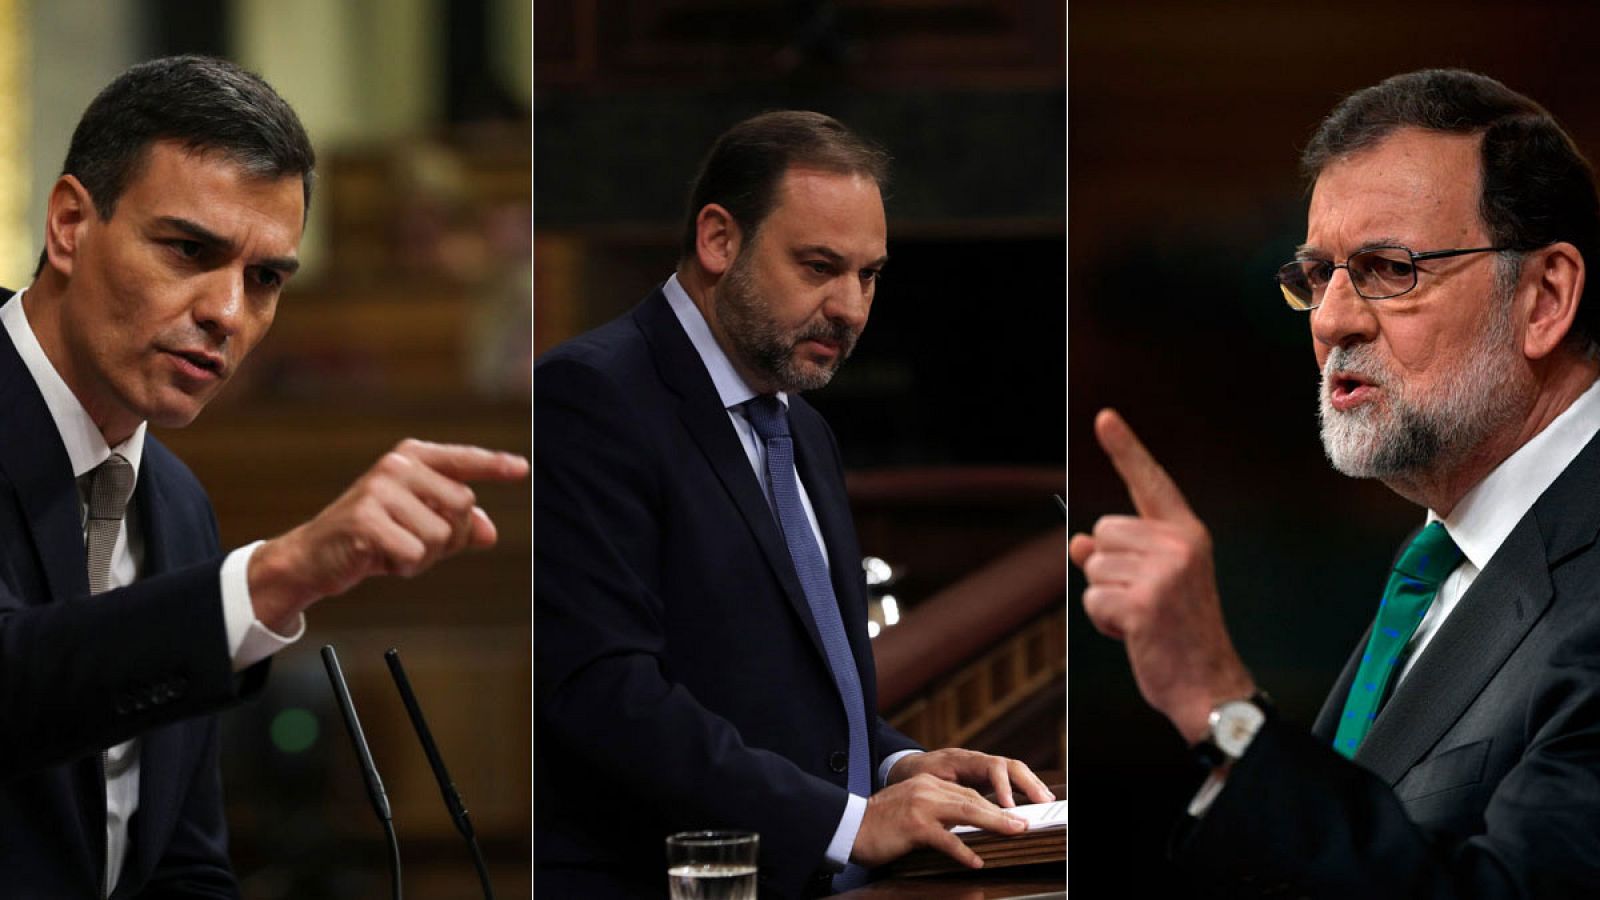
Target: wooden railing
[[985, 657]]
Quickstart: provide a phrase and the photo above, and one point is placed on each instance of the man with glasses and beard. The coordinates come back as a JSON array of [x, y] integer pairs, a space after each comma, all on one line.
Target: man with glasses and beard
[[700, 648], [1458, 754]]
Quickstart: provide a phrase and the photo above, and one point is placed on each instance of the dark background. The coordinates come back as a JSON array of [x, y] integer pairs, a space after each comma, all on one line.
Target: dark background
[[961, 362], [1185, 124]]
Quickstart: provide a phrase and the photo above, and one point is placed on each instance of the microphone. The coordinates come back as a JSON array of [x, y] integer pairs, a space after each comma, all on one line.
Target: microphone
[[452, 799], [369, 772]]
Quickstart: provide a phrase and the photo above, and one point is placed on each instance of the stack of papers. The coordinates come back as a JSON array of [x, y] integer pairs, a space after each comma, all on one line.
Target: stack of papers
[[1045, 841], [1037, 815]]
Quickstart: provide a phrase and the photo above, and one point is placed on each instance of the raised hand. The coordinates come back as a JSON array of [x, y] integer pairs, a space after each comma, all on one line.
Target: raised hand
[[410, 510], [1152, 585]]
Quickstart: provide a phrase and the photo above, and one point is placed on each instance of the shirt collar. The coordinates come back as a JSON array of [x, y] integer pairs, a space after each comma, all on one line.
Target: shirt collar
[[86, 447], [730, 385], [1485, 516]]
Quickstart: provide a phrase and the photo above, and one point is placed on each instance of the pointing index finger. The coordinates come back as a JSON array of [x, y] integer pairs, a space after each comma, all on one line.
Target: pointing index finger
[[467, 463], [1154, 494]]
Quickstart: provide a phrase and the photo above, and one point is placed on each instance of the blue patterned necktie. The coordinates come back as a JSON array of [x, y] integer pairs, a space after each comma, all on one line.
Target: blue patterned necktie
[[1425, 564], [771, 421]]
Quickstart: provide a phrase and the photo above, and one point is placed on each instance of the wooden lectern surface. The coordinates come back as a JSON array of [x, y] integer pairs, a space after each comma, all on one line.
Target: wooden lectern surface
[[1022, 881], [978, 884]]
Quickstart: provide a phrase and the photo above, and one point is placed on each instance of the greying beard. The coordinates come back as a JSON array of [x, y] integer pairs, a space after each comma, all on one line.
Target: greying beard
[[764, 345], [1405, 435]]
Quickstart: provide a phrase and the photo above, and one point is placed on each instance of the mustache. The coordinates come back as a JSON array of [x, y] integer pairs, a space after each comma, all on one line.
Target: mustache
[[831, 332], [1359, 360]]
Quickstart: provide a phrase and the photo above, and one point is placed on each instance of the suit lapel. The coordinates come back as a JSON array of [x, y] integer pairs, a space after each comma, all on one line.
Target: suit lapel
[[1493, 617], [1327, 724], [1489, 622], [162, 756], [700, 409], [36, 463]]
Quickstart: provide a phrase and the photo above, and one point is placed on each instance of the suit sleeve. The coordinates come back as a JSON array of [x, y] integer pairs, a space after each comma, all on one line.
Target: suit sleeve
[[604, 699], [889, 742], [81, 675], [1296, 818]]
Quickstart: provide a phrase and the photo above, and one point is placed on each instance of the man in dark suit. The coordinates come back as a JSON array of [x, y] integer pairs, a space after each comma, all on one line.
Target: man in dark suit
[[700, 651], [168, 238], [1450, 224]]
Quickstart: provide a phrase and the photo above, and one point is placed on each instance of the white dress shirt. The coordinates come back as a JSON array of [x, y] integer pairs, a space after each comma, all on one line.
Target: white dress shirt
[[734, 393], [249, 641]]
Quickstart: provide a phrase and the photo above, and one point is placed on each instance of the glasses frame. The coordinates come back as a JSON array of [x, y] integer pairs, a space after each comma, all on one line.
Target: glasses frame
[[1416, 257]]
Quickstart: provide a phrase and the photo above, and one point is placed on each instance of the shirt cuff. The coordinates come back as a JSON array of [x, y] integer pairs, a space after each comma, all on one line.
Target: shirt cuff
[[1208, 793], [249, 641], [844, 837], [887, 766]]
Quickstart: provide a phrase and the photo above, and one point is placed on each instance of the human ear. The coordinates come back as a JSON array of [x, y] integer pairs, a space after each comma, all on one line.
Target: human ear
[[716, 239], [1554, 275], [67, 212]]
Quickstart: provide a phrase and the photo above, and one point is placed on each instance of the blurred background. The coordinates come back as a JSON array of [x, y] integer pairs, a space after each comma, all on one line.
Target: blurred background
[[411, 317], [1186, 121], [949, 414]]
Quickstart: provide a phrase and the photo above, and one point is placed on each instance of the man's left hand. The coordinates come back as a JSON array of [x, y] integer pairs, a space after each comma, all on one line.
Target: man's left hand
[[976, 770]]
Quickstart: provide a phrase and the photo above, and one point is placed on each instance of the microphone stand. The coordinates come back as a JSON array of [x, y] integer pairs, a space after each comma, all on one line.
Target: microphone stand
[[452, 799], [369, 772]]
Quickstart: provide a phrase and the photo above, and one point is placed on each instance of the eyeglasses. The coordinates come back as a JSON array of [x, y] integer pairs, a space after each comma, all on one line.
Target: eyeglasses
[[1377, 273]]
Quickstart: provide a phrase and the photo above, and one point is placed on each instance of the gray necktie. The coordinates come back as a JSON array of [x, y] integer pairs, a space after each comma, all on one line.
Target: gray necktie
[[110, 486]]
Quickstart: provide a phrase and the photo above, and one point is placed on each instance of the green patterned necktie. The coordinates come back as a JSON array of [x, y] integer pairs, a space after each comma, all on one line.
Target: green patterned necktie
[[1431, 557]]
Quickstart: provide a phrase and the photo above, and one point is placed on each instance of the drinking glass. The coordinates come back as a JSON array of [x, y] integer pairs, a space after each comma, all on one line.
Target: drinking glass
[[712, 865]]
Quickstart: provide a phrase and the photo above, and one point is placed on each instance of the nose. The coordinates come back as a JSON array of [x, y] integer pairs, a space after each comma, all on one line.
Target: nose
[[1344, 317], [221, 304], [851, 303]]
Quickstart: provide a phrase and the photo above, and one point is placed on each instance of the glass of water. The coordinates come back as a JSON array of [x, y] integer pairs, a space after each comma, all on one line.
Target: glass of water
[[712, 865]]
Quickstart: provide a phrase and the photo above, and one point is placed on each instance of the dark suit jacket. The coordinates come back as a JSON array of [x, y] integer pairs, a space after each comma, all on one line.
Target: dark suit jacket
[[679, 679], [80, 674], [1481, 775]]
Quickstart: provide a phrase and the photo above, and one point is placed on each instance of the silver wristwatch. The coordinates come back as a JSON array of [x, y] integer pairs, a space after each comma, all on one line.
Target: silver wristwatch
[[1231, 727]]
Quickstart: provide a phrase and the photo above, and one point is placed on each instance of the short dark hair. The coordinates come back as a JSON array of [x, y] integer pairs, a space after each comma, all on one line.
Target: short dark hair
[[1537, 187], [742, 170], [205, 104]]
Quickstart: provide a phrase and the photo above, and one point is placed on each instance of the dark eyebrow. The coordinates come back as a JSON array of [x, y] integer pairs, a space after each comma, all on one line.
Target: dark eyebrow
[[837, 258], [1309, 251], [288, 265]]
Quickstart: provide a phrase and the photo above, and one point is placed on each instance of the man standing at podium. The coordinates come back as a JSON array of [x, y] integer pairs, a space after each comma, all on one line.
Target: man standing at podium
[[123, 626], [700, 652], [1443, 275]]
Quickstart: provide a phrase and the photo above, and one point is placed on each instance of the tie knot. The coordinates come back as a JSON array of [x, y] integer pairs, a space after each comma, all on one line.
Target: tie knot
[[110, 486], [768, 416], [1431, 556]]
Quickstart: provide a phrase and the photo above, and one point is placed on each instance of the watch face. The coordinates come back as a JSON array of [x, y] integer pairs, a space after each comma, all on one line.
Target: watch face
[[1234, 724]]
